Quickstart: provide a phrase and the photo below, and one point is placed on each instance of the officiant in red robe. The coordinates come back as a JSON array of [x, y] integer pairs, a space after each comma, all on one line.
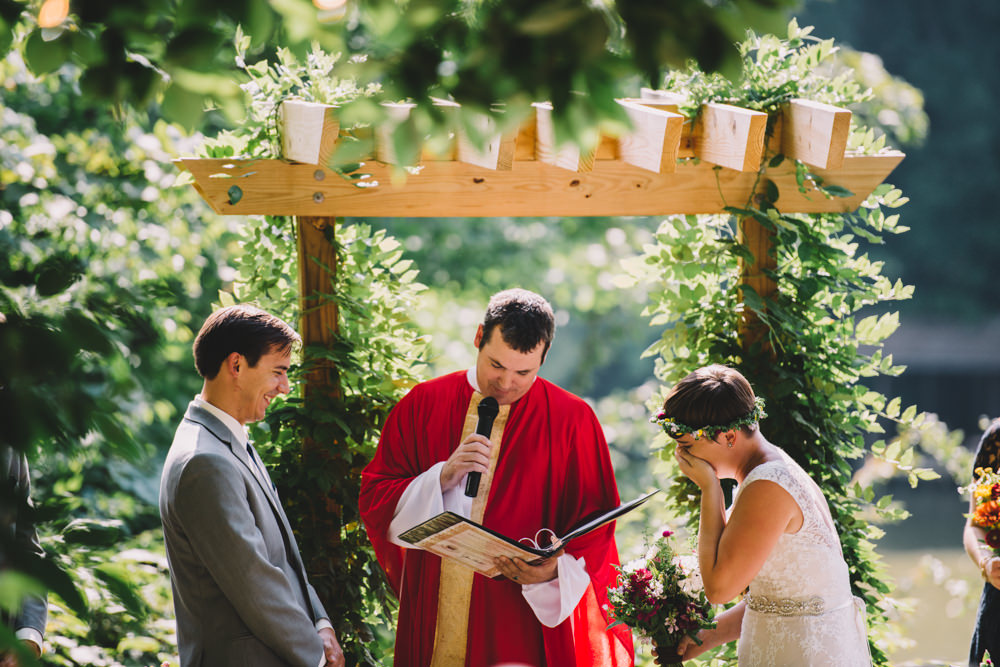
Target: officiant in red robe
[[544, 465]]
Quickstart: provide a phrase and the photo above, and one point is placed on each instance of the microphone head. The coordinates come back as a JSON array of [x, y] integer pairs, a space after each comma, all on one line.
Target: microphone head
[[488, 407]]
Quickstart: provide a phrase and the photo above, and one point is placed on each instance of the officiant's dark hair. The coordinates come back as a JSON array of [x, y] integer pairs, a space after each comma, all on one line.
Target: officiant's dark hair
[[711, 396], [525, 320], [242, 328]]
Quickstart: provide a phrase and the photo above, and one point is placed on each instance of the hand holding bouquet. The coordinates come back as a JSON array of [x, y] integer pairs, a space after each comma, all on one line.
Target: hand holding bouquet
[[662, 599]]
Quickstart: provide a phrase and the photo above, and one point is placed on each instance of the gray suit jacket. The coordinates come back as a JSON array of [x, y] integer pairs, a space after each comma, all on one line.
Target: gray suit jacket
[[241, 595], [21, 530]]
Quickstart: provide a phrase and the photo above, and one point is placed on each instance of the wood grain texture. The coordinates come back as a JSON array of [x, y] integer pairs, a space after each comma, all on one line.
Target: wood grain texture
[[815, 133], [730, 136], [530, 189], [655, 139]]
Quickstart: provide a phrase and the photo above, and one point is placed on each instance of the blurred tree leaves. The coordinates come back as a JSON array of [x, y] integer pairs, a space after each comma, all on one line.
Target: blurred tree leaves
[[578, 54], [104, 266]]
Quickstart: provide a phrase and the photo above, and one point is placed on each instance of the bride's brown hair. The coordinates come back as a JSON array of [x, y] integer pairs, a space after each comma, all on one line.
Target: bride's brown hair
[[710, 396]]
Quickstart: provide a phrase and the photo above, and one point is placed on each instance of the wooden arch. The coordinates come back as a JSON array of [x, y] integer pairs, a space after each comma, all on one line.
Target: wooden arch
[[668, 164]]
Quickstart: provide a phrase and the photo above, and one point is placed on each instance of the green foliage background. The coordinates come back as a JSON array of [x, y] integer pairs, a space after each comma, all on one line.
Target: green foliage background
[[105, 269]]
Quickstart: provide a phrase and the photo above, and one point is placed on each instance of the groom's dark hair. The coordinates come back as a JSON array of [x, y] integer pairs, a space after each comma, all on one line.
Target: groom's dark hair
[[242, 328], [710, 396]]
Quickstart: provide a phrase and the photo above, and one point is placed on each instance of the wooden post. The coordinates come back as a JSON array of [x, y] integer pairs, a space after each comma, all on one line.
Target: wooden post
[[320, 518], [319, 319], [760, 241]]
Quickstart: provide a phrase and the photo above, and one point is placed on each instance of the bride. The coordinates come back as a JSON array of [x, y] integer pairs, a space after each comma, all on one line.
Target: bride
[[777, 538]]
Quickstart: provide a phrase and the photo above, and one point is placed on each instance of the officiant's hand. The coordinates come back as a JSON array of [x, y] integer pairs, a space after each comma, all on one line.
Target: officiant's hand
[[520, 572], [473, 455]]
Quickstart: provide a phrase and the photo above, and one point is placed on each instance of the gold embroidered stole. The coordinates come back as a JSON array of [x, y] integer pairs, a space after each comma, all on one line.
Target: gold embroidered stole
[[455, 588]]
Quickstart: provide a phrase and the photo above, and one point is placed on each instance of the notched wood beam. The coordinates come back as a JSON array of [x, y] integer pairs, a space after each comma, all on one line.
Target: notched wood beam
[[655, 139], [815, 133], [730, 136], [567, 156]]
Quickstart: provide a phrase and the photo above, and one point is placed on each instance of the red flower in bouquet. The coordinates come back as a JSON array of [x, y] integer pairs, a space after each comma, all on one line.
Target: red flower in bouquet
[[993, 539], [661, 596]]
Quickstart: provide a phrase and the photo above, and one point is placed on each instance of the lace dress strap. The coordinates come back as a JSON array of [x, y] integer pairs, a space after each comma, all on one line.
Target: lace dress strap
[[816, 521]]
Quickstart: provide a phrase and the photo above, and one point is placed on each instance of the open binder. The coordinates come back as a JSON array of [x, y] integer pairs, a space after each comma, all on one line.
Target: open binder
[[452, 536]]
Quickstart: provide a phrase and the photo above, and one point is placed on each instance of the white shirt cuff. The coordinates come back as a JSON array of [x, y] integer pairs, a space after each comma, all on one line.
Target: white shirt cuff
[[320, 625], [31, 635], [553, 601]]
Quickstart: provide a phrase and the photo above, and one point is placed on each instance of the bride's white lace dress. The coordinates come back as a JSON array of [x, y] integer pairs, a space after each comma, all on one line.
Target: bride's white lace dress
[[800, 610]]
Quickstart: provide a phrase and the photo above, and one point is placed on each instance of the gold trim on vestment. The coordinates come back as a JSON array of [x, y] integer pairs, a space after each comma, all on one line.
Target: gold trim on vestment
[[455, 589]]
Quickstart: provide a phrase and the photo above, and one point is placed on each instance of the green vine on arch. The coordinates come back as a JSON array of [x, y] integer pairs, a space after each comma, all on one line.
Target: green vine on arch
[[822, 331]]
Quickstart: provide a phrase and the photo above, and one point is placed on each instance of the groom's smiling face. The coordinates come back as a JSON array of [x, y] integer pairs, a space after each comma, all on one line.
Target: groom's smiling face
[[259, 385]]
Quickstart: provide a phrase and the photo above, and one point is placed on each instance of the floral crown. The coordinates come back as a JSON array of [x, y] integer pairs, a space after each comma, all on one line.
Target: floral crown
[[675, 429]]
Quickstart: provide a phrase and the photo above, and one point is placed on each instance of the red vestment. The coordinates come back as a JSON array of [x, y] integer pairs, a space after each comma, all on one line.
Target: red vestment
[[554, 471]]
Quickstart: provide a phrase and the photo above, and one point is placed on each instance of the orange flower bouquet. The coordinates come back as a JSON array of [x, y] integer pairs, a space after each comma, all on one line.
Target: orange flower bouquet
[[986, 505]]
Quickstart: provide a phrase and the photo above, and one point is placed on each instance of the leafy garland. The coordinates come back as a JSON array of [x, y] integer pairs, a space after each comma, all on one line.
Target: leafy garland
[[811, 357], [320, 443]]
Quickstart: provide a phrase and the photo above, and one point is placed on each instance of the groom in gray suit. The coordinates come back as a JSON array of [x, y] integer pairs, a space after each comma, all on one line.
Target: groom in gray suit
[[241, 595]]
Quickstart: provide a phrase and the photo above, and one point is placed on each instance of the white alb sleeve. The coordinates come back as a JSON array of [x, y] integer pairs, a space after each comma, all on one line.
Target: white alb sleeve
[[424, 499], [553, 601]]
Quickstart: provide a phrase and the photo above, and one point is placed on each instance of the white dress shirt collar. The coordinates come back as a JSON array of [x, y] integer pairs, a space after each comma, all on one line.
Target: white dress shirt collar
[[238, 430]]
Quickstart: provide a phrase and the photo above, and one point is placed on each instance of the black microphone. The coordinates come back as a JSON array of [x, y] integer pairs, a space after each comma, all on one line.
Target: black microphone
[[488, 410]]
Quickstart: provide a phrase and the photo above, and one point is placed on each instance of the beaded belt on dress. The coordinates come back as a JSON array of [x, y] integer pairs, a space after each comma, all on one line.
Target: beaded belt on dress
[[813, 606]]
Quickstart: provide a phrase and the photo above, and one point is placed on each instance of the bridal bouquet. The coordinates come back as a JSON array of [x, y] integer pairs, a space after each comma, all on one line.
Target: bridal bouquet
[[661, 598], [986, 505]]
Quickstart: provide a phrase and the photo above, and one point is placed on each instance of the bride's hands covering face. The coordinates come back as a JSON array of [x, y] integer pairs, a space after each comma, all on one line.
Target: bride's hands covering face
[[698, 470]]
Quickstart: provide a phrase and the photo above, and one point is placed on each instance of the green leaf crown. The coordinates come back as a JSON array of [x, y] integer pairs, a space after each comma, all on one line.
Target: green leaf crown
[[675, 429]]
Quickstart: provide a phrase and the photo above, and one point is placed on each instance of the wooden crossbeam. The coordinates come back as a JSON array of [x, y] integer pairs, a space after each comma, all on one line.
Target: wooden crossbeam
[[530, 189], [815, 133], [567, 156], [309, 131], [730, 136], [724, 135], [654, 143]]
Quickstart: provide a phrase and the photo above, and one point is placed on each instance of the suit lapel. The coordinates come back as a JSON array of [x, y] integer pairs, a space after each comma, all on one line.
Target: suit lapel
[[226, 437]]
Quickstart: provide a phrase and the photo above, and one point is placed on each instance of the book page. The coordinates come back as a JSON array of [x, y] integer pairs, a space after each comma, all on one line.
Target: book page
[[467, 543], [452, 536]]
